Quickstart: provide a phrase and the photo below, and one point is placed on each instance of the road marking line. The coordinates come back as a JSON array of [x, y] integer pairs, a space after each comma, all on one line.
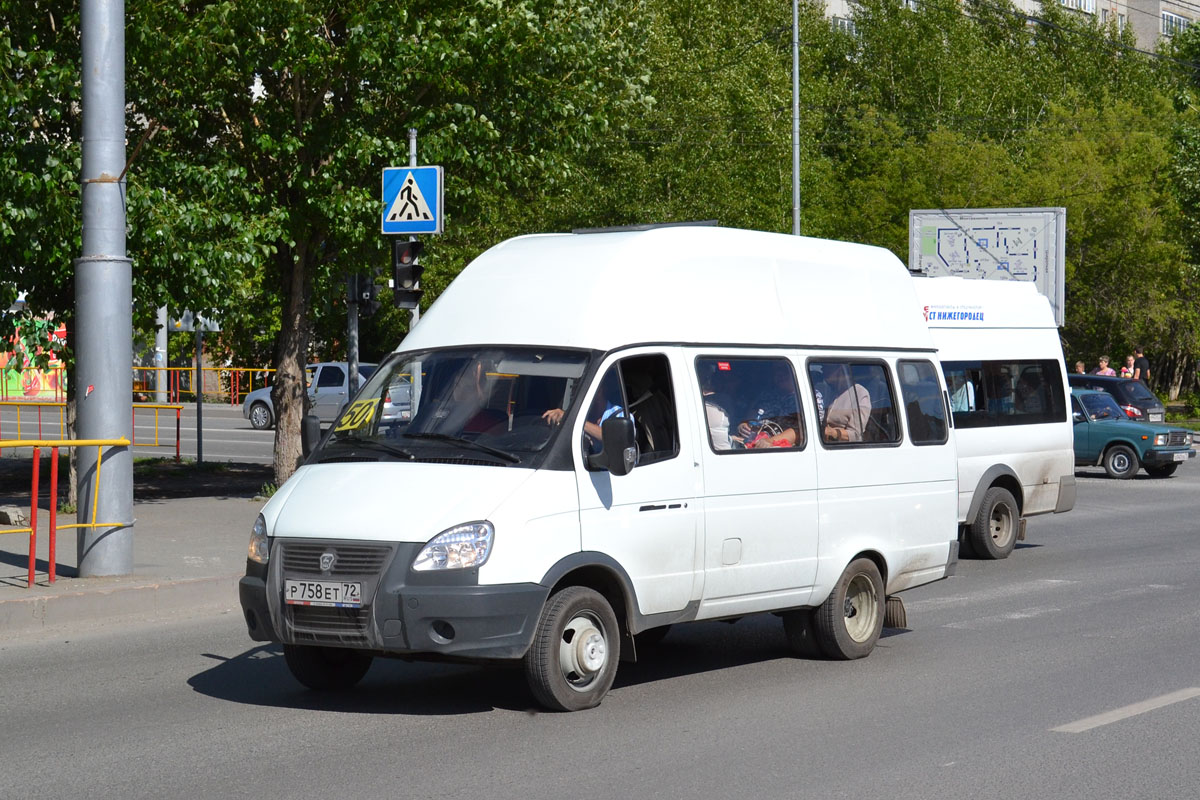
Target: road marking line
[[1118, 714]]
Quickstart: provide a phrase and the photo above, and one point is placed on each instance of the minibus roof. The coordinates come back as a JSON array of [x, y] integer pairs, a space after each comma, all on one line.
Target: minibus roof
[[677, 284], [966, 303]]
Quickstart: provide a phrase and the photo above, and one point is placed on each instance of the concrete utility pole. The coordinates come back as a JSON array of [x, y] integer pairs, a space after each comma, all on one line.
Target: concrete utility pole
[[104, 299], [796, 117]]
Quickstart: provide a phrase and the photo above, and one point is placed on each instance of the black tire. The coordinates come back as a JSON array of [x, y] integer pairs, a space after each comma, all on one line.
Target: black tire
[[261, 417], [801, 635], [573, 659], [1163, 471], [993, 534], [326, 668], [1121, 462], [847, 625]]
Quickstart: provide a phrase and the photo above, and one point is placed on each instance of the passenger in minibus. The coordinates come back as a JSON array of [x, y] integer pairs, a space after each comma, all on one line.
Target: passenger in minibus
[[847, 416]]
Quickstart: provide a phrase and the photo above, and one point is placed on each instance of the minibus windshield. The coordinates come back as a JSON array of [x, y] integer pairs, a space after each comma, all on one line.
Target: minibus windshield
[[478, 404]]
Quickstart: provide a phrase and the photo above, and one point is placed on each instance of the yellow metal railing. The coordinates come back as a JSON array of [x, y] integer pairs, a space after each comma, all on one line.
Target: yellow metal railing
[[54, 444], [230, 384], [60, 410], [224, 383]]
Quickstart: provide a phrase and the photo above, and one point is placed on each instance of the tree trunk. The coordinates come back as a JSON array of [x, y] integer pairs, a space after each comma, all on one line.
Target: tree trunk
[[289, 394]]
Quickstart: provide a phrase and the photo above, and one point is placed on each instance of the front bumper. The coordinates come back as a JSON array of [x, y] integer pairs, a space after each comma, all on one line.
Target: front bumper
[[403, 612], [1159, 457]]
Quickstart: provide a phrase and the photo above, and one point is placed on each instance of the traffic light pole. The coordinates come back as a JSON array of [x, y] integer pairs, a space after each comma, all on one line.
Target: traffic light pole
[[412, 162]]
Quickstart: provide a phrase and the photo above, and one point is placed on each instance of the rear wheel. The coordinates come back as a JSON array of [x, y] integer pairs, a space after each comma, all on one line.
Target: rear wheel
[[993, 534], [847, 625], [260, 417], [573, 659], [1121, 462], [1163, 471], [325, 668]]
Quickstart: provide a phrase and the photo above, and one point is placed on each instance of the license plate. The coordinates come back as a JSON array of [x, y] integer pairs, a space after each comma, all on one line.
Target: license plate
[[1155, 417], [1181, 456], [337, 594]]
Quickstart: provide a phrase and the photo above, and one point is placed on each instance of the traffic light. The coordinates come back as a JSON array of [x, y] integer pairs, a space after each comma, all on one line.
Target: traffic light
[[406, 271], [368, 296], [363, 291]]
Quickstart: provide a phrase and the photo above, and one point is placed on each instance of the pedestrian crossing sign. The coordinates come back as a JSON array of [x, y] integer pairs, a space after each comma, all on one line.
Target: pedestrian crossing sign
[[412, 200]]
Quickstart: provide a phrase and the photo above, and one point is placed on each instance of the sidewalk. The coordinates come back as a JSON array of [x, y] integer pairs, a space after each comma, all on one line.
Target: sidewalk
[[189, 548]]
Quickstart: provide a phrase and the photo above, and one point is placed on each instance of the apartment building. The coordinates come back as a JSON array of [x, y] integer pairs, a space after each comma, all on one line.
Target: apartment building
[[1151, 20]]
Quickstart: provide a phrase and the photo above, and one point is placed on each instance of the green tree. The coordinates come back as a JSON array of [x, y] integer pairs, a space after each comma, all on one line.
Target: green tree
[[275, 118]]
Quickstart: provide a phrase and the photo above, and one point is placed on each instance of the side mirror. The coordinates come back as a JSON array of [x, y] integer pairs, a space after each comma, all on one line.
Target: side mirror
[[310, 433], [1078, 416], [620, 451]]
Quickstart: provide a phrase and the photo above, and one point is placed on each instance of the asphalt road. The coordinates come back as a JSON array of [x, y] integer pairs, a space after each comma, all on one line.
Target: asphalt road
[[226, 435], [1068, 670]]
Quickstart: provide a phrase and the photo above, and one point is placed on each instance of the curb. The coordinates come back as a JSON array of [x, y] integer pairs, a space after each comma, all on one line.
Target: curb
[[147, 600]]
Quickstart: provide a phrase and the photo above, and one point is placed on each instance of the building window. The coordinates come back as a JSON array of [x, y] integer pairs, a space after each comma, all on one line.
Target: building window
[[845, 25], [1086, 6], [1173, 23]]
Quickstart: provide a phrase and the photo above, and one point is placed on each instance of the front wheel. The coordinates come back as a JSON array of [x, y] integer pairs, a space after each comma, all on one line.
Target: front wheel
[[1121, 462], [849, 622], [1162, 471], [993, 534], [573, 659], [260, 417], [326, 668]]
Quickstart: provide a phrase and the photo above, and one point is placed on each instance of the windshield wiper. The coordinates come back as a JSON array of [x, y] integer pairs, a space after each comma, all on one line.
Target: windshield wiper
[[445, 437], [351, 439]]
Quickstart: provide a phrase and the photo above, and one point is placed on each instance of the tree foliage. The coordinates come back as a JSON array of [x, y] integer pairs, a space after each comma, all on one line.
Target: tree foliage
[[260, 130]]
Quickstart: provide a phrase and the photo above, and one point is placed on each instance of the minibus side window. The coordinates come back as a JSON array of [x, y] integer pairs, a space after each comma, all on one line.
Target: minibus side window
[[647, 384], [750, 404], [639, 387], [855, 402], [924, 410], [985, 394]]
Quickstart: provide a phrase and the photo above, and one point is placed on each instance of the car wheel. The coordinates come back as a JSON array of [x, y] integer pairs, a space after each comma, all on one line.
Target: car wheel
[[260, 416], [993, 534], [1121, 462], [573, 659], [1163, 471], [848, 623], [326, 668]]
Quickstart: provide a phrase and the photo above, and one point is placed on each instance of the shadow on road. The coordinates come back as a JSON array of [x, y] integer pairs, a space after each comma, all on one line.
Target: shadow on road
[[260, 675]]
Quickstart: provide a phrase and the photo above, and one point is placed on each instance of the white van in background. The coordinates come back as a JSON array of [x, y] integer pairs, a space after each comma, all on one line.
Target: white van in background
[[1003, 364], [611, 433]]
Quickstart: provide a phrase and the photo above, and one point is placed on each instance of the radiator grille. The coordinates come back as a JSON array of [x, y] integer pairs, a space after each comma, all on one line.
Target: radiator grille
[[1178, 438], [352, 559]]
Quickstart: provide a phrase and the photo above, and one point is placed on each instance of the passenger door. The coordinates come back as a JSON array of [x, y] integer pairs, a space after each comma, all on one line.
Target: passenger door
[[1085, 449], [328, 392], [760, 485], [648, 521]]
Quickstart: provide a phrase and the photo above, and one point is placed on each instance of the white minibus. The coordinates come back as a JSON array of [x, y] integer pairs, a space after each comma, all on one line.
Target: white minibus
[[614, 432], [1003, 365]]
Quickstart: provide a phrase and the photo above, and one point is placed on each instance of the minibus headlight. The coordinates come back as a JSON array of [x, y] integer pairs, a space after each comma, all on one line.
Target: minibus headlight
[[461, 547], [1162, 439], [260, 545]]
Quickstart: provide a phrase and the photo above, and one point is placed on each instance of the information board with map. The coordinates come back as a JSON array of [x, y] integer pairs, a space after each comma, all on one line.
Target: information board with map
[[1014, 244]]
